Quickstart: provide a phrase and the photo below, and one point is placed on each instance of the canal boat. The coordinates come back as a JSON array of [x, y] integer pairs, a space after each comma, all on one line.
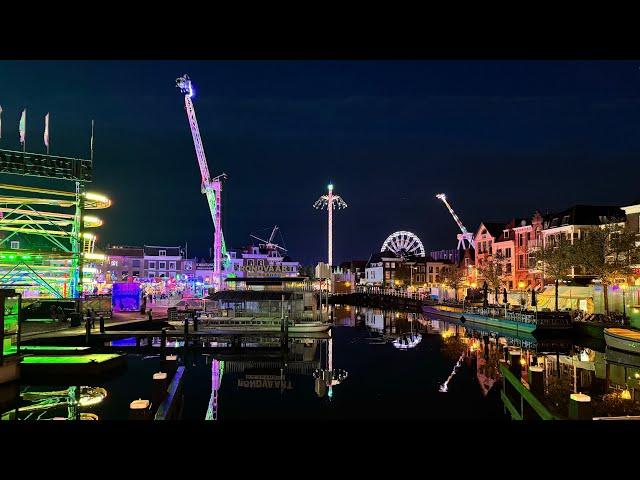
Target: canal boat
[[265, 305], [230, 325], [623, 339], [522, 324]]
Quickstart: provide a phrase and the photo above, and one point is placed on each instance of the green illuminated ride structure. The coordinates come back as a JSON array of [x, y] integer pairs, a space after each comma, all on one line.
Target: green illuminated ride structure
[[45, 247]]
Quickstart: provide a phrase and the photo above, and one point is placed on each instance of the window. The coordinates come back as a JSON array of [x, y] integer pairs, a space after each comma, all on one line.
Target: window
[[172, 265], [430, 278], [162, 253], [437, 269], [554, 223], [508, 267], [506, 234], [393, 264], [510, 284], [162, 265], [431, 269], [490, 247], [152, 265], [507, 252], [520, 240], [565, 220], [162, 275], [136, 273], [521, 263], [135, 263], [15, 244], [152, 275]]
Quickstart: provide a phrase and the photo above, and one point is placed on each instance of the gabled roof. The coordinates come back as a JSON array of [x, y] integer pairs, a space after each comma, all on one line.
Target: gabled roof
[[494, 228], [381, 256]]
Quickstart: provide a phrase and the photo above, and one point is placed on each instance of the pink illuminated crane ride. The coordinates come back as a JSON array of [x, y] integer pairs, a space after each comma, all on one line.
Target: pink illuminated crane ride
[[211, 187], [463, 237]]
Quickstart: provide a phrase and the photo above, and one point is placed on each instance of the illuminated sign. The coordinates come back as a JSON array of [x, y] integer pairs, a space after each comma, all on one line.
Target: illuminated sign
[[266, 268], [48, 166], [265, 381]]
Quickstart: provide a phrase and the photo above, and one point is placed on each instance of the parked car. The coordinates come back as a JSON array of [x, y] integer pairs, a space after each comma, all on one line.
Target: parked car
[[43, 309], [190, 304]]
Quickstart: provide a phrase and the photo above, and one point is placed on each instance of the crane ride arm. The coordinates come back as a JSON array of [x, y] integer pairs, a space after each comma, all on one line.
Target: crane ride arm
[[443, 197], [211, 188]]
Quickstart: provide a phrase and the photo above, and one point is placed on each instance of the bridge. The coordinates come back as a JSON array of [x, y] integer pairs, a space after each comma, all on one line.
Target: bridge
[[379, 297]]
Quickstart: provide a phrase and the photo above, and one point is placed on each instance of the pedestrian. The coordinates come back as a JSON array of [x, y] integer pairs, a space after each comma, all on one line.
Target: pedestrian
[[92, 312]]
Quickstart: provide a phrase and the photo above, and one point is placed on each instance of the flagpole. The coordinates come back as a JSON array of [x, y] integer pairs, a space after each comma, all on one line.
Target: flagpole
[[92, 123]]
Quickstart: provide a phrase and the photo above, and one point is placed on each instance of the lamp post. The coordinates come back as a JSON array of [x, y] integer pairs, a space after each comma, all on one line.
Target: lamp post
[[521, 286], [623, 287]]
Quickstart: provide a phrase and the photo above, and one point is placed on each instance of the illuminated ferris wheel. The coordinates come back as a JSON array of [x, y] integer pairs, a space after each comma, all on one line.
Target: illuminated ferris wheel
[[404, 244]]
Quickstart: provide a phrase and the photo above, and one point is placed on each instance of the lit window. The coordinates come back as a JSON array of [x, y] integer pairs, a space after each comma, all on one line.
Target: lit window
[[162, 253], [15, 244]]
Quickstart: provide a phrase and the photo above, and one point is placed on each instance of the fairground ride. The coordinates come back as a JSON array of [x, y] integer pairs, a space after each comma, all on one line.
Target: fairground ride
[[46, 246], [465, 239], [211, 187]]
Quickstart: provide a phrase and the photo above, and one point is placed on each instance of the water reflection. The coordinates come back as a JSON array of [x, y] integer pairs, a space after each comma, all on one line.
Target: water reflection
[[570, 365], [374, 363], [71, 403]]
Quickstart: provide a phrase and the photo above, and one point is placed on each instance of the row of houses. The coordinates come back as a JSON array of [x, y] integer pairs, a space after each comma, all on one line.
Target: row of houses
[[150, 263], [512, 243], [388, 270]]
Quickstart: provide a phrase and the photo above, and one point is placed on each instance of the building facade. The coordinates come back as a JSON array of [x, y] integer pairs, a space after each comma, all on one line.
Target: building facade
[[258, 262]]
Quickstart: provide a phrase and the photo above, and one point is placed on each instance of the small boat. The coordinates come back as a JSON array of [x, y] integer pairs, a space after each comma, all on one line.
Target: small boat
[[623, 339]]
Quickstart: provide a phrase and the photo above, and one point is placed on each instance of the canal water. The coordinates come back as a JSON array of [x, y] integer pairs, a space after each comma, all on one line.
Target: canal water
[[375, 365]]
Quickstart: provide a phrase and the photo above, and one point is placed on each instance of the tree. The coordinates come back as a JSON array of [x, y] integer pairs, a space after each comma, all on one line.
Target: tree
[[493, 271], [555, 259], [454, 278], [607, 253]]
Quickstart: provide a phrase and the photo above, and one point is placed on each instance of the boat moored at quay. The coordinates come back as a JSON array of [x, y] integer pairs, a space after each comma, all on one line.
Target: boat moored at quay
[[264, 305], [520, 321]]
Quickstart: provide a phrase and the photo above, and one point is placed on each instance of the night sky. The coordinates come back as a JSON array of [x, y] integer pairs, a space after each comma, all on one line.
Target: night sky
[[501, 138]]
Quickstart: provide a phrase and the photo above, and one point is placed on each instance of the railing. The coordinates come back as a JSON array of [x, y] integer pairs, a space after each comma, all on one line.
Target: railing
[[498, 312], [390, 292], [519, 400]]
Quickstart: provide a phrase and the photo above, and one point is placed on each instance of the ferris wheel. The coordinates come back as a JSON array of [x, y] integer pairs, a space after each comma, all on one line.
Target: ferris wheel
[[404, 244]]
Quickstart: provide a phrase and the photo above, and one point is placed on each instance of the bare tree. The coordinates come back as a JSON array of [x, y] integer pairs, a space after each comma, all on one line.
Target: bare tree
[[607, 253], [493, 271], [454, 278], [555, 260]]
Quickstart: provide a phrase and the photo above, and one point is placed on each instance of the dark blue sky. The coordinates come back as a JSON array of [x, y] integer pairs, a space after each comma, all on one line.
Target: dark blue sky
[[501, 138]]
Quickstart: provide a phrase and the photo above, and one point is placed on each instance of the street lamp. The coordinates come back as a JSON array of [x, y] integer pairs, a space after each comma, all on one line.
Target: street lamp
[[623, 287], [521, 285]]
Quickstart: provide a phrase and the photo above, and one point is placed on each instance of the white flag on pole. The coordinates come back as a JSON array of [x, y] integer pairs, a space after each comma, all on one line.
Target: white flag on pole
[[0, 122], [46, 131], [23, 125], [92, 122]]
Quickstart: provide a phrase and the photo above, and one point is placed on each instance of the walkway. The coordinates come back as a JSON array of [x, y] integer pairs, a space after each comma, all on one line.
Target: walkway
[[33, 330]]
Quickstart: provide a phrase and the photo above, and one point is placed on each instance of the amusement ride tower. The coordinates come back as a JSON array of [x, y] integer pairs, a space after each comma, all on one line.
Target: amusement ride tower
[[332, 202], [212, 188]]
